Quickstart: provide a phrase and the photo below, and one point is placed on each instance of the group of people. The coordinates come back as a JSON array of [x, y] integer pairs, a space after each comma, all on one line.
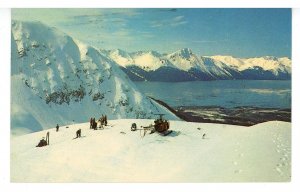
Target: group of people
[[102, 121], [44, 142], [93, 125]]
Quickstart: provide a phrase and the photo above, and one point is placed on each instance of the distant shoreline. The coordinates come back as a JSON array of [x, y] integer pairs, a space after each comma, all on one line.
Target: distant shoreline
[[245, 116]]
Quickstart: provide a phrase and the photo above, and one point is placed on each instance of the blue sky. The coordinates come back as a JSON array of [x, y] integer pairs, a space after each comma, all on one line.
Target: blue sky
[[236, 32]]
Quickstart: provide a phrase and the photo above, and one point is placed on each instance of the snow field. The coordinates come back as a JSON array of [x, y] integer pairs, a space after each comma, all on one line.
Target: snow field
[[261, 153]]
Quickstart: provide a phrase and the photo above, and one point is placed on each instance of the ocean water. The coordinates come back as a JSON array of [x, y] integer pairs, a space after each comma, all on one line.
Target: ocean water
[[226, 93]]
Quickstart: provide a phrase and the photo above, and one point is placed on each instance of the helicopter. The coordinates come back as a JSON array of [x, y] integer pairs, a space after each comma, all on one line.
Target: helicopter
[[161, 126]]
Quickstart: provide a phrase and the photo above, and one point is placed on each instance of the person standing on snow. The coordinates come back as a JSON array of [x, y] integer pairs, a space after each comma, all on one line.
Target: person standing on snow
[[57, 128], [91, 123], [105, 120]]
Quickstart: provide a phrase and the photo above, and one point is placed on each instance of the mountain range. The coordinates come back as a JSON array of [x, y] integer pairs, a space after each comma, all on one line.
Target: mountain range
[[185, 65]]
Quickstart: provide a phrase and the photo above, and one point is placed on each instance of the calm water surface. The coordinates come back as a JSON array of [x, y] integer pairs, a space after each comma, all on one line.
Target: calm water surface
[[229, 93]]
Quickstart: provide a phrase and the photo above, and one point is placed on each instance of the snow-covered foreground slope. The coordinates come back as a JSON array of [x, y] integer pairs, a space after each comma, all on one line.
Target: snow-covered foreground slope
[[56, 79], [261, 153]]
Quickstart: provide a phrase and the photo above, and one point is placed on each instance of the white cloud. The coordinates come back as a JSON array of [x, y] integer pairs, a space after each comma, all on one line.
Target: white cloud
[[178, 18], [210, 41], [173, 22]]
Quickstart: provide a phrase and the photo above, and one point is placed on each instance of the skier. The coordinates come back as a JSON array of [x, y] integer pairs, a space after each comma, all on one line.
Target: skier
[[78, 133], [95, 125], [48, 138], [57, 128], [105, 120], [203, 136], [100, 123], [102, 119], [91, 123]]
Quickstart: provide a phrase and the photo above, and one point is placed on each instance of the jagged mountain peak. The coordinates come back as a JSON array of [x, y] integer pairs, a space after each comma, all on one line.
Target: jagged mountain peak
[[155, 53], [23, 30], [121, 52], [185, 53], [230, 60], [270, 58], [184, 59], [148, 52]]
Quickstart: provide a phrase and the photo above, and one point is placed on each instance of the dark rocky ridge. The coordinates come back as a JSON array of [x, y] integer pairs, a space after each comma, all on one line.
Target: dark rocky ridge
[[245, 116]]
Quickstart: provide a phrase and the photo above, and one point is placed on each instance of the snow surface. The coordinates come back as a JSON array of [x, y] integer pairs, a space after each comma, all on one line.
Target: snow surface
[[261, 153]]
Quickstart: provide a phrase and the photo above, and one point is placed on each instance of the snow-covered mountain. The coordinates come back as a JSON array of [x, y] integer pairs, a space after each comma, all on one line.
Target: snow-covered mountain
[[267, 67], [184, 65], [57, 79]]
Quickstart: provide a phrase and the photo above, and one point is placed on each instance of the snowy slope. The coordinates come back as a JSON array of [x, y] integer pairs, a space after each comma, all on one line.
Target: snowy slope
[[148, 61], [261, 153], [121, 57], [56, 79], [185, 59], [220, 70], [151, 60], [273, 64], [187, 66], [267, 62]]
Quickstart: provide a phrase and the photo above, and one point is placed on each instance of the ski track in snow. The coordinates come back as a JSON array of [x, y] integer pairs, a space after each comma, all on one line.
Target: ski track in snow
[[284, 150]]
